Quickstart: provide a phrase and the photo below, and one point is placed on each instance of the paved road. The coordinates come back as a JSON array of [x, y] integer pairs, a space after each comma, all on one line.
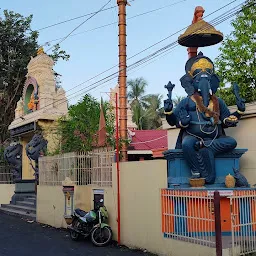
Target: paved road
[[17, 237]]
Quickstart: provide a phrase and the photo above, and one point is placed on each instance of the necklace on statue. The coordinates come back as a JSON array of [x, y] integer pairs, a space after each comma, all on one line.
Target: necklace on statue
[[201, 139], [201, 129]]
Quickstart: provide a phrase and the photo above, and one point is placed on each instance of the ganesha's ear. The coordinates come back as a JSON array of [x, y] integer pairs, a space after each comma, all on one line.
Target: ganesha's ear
[[215, 83], [187, 84]]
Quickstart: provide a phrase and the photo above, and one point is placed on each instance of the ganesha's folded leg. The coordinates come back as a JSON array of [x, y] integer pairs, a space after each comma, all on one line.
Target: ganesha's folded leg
[[206, 156], [222, 145], [201, 161], [207, 170], [190, 153]]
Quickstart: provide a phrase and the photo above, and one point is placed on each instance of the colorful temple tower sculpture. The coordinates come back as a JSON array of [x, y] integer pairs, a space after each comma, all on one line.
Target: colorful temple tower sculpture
[[204, 155], [41, 105]]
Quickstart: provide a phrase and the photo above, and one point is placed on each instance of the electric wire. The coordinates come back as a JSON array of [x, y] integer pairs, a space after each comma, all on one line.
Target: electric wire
[[135, 65], [142, 61], [109, 79], [113, 23], [78, 17], [147, 49], [82, 23], [69, 34]]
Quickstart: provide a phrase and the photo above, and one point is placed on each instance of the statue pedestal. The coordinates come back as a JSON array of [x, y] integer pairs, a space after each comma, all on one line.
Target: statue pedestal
[[191, 210], [189, 213], [179, 172]]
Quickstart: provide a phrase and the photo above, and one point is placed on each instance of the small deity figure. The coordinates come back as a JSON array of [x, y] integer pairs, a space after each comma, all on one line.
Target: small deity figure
[[31, 104], [19, 108]]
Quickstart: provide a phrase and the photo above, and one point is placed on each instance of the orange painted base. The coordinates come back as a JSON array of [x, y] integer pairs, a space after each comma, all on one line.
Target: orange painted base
[[193, 211]]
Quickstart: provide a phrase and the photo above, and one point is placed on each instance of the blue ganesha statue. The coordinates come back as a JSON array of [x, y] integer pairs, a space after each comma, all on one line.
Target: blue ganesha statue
[[202, 117]]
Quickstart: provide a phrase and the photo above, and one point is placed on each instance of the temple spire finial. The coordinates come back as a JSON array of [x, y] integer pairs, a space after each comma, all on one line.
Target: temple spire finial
[[40, 51], [198, 14]]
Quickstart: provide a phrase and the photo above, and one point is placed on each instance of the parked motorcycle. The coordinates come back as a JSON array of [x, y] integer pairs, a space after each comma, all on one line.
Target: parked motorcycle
[[92, 223]]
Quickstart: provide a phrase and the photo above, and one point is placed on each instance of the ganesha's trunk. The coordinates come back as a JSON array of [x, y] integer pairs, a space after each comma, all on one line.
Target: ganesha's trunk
[[205, 90]]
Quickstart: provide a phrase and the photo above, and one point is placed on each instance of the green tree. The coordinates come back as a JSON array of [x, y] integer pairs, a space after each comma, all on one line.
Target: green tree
[[78, 128], [17, 44], [136, 93], [153, 110], [136, 90], [146, 109], [139, 116], [237, 59]]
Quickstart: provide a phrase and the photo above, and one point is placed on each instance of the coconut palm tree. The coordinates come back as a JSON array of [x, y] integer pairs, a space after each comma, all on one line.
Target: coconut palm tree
[[153, 104], [136, 90], [145, 108], [139, 116]]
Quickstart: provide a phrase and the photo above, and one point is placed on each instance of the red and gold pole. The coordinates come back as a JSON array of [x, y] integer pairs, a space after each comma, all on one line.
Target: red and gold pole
[[122, 78]]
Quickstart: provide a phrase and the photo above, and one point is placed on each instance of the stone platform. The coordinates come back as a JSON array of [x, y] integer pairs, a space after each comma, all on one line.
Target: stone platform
[[179, 172], [23, 202], [24, 207]]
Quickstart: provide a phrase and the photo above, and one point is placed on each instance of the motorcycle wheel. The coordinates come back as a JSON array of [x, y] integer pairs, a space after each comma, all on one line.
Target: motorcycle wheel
[[75, 236], [101, 236]]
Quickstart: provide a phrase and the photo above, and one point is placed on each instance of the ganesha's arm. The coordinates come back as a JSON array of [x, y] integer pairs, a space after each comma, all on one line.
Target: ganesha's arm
[[238, 114], [226, 117], [240, 102], [225, 113], [171, 118]]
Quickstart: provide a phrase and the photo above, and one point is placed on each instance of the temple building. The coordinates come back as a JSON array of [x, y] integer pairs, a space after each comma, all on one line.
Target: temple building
[[41, 104]]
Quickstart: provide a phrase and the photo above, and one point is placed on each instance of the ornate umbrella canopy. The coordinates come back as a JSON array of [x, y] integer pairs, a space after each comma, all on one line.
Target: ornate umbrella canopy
[[200, 34]]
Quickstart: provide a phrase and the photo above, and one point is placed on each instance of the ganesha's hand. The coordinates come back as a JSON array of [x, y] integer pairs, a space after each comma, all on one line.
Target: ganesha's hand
[[168, 106], [184, 117], [198, 145], [231, 121], [240, 102]]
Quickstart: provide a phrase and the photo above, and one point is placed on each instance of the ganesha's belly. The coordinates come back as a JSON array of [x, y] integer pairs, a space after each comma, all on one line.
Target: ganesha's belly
[[199, 127], [202, 131]]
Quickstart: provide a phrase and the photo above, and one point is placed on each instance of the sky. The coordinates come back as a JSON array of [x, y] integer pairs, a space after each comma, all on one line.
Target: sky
[[96, 51]]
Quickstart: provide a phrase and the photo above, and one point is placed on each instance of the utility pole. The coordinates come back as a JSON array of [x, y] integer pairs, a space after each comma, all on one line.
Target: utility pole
[[122, 77]]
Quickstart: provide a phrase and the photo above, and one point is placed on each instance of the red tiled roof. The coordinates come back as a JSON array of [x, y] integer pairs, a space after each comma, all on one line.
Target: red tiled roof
[[148, 140]]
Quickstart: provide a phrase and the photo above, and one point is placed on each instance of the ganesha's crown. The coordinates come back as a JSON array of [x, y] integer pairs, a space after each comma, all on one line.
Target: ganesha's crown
[[202, 64]]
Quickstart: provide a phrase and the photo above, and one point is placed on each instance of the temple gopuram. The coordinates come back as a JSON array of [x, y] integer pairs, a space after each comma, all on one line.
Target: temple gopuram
[[33, 131]]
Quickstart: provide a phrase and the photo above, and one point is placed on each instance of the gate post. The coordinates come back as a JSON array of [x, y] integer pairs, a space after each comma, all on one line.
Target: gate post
[[218, 235]]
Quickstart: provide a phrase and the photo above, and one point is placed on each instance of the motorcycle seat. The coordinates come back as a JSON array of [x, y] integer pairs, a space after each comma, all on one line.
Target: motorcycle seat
[[80, 212]]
